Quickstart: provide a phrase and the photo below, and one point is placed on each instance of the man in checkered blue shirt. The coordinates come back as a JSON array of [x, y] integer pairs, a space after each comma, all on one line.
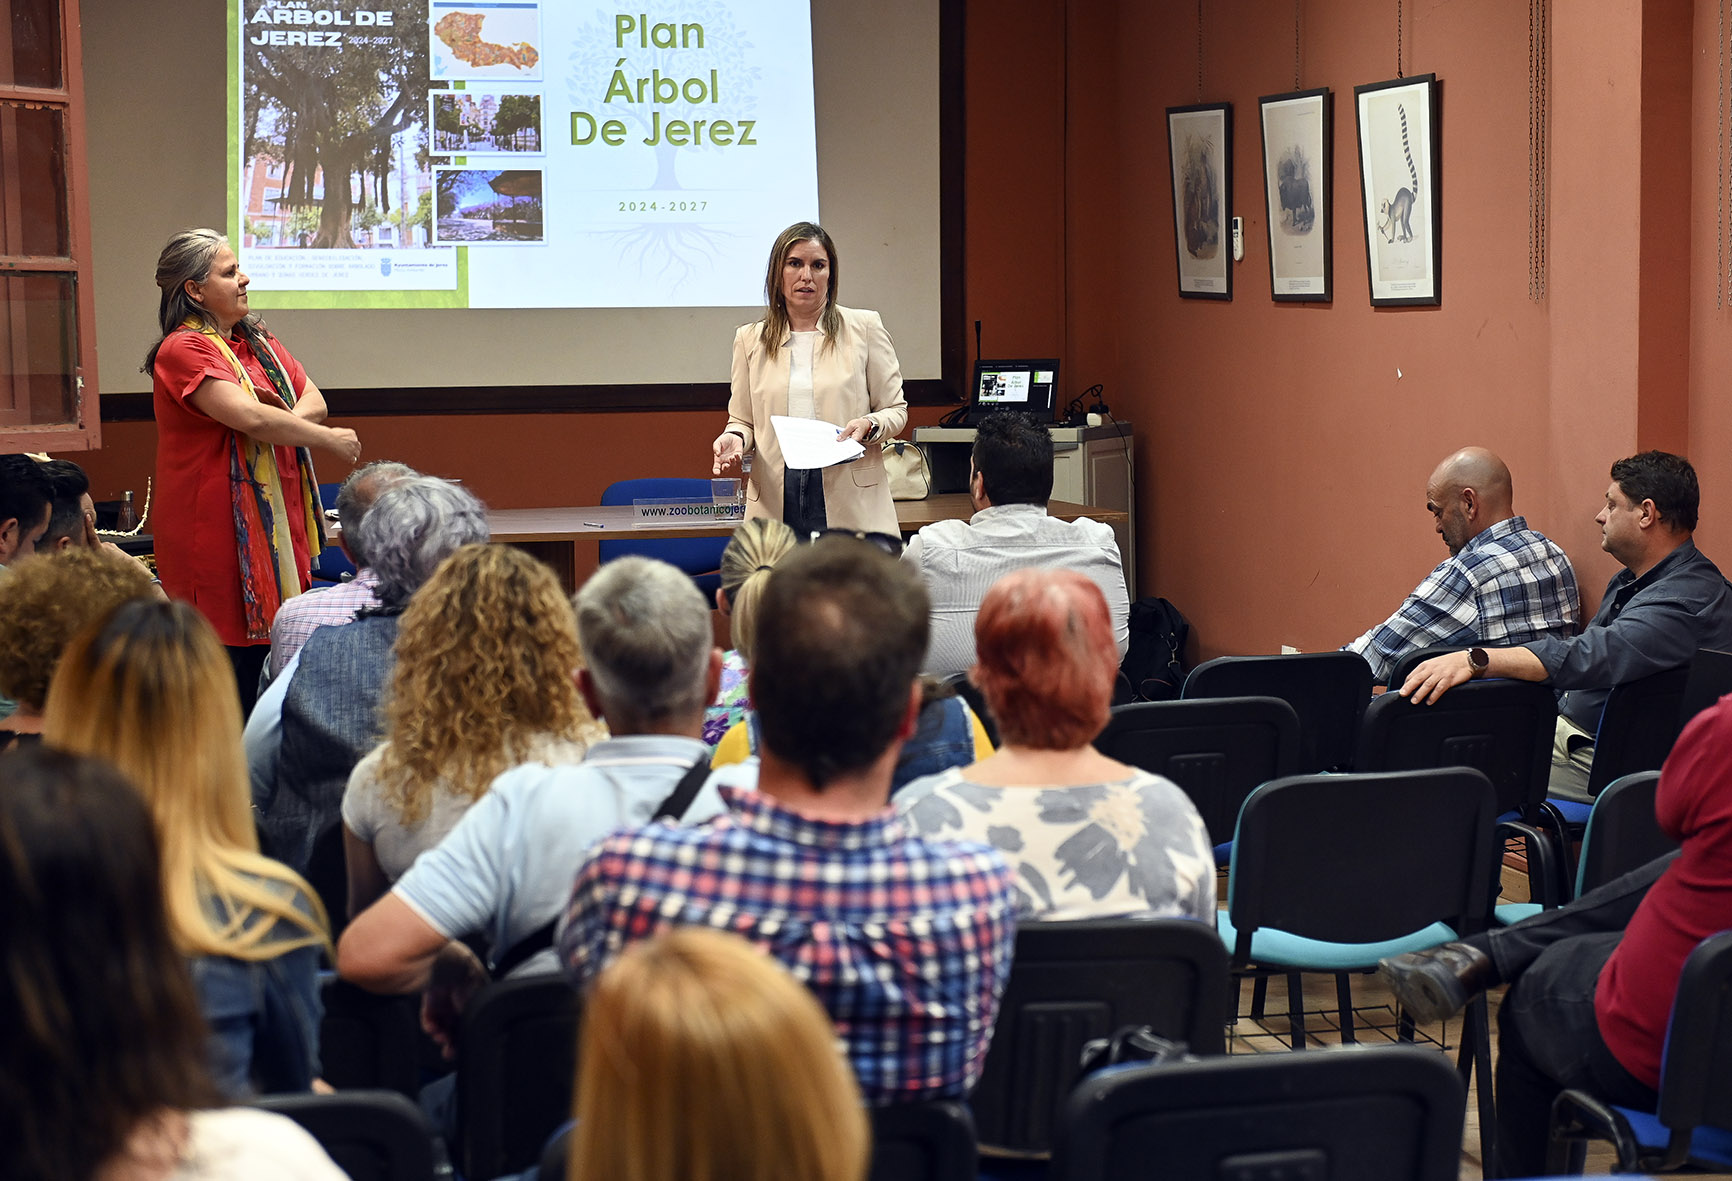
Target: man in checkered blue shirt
[[1503, 583], [905, 941]]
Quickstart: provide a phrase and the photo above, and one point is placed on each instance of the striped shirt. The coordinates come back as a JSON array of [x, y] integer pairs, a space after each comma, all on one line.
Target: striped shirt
[[960, 560], [906, 942], [1507, 586]]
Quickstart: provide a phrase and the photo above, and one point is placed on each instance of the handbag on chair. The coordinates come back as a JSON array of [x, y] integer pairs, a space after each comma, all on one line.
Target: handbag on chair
[[909, 472]]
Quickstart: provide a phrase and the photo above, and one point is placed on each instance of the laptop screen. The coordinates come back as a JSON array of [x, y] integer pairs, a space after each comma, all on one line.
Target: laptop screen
[[1028, 386]]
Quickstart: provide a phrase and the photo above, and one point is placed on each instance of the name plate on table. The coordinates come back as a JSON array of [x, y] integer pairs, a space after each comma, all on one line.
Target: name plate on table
[[686, 512]]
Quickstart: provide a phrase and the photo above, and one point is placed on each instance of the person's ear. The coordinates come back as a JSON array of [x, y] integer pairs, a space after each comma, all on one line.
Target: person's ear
[[9, 537], [722, 602], [1650, 514], [713, 678], [911, 716], [62, 544], [1469, 502], [191, 289]]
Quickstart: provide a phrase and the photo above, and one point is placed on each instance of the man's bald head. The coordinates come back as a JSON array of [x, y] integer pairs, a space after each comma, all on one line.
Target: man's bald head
[[1469, 492]]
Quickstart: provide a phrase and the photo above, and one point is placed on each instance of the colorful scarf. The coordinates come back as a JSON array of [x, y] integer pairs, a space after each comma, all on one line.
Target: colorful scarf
[[266, 547]]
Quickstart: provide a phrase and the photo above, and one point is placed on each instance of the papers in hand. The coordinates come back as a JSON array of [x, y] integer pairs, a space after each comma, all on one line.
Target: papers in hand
[[811, 443]]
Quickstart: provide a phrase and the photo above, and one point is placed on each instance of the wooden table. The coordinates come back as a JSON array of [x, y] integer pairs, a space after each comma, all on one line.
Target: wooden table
[[552, 534]]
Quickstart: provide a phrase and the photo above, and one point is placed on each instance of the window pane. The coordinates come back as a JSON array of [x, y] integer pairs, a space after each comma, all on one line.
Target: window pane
[[32, 56], [38, 349], [33, 180]]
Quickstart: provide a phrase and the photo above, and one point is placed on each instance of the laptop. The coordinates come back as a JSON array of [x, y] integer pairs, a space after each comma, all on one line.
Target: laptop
[[1027, 386]]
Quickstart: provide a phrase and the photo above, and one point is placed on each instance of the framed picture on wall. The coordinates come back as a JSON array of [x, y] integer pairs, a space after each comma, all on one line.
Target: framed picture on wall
[[1200, 142], [1398, 174], [1296, 191]]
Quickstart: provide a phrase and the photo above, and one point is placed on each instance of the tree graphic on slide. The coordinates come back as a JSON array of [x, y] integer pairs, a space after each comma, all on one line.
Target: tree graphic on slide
[[331, 111]]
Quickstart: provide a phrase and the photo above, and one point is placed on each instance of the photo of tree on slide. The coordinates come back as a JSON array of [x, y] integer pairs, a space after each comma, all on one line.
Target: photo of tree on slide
[[334, 125]]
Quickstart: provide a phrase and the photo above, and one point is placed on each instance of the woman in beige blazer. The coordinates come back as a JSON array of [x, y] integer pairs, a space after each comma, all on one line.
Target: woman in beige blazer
[[809, 357]]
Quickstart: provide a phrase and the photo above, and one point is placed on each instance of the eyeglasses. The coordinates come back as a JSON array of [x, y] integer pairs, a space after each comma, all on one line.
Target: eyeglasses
[[890, 543]]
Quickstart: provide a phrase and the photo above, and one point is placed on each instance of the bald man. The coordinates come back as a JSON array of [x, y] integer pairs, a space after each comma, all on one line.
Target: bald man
[[1502, 583]]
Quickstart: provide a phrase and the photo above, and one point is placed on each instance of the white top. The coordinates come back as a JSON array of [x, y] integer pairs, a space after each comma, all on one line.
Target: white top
[[960, 560], [800, 403], [245, 1144], [370, 816]]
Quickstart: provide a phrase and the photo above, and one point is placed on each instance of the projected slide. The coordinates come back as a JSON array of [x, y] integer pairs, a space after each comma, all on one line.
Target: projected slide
[[517, 153]]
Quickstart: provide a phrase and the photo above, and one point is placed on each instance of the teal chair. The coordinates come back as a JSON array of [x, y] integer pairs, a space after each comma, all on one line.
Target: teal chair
[[1331, 873], [1622, 834]]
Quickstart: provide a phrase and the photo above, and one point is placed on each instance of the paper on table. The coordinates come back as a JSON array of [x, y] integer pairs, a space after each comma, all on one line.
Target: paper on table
[[811, 442]]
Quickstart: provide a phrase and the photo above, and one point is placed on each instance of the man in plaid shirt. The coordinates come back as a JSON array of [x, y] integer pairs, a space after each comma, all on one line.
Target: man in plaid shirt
[[1503, 583], [905, 941]]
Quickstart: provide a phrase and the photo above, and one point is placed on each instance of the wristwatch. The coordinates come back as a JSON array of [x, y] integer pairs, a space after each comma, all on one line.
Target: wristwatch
[[1477, 661]]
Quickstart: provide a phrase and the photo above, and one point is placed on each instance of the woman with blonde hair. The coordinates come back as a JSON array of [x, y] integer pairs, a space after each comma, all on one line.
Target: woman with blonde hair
[[103, 1071], [150, 689], [701, 1058], [753, 551], [487, 656]]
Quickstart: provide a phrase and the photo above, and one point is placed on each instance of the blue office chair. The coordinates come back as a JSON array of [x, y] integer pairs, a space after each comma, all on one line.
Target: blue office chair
[[331, 564], [1690, 1125], [701, 557]]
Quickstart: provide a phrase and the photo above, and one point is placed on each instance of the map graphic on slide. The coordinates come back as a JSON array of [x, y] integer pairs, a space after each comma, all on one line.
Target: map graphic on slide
[[462, 32]]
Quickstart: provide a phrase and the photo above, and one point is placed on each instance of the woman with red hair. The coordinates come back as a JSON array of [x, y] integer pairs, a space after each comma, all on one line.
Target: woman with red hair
[[1089, 836]]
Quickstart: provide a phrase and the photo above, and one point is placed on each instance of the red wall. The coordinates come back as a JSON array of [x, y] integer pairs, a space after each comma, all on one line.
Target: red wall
[[1281, 459]]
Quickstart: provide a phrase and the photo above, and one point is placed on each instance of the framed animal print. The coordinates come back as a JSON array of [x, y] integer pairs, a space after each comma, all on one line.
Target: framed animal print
[[1398, 174], [1200, 142], [1297, 136]]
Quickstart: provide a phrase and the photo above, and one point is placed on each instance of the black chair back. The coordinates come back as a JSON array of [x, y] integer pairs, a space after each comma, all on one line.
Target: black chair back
[[1710, 679], [516, 1057], [371, 1135], [369, 1041], [1390, 1111], [922, 1142], [1327, 690], [1363, 857], [1072, 982], [1623, 832], [1217, 749], [1695, 1086], [1503, 729], [1638, 727], [328, 874], [1406, 663]]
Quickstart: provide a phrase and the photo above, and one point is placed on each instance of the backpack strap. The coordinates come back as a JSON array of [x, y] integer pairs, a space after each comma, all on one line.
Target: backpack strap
[[672, 808]]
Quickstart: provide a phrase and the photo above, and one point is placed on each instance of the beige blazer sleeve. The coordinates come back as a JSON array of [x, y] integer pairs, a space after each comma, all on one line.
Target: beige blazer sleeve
[[859, 376]]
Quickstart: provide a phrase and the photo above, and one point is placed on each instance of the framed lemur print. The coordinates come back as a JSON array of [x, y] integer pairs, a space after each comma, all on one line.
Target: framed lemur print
[[1398, 175]]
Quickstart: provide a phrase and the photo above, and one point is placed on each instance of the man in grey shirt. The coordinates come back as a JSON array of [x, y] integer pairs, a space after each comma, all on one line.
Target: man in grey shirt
[[1009, 483], [1668, 601], [506, 869]]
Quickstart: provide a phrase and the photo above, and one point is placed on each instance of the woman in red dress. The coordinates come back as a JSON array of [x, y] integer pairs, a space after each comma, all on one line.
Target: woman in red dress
[[237, 505]]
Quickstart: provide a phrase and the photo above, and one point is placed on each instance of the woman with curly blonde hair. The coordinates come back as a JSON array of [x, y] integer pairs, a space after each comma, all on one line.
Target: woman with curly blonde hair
[[701, 1058], [42, 606], [150, 688], [485, 681]]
